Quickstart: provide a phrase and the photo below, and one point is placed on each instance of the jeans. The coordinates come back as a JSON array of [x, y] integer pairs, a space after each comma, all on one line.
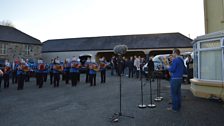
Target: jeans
[[176, 93]]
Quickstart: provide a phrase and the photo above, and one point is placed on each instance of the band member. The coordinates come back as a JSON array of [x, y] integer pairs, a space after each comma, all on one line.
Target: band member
[[103, 69], [21, 75], [74, 71], [87, 69], [45, 72], [51, 70], [66, 71], [14, 70], [93, 68], [57, 69], [7, 70], [27, 72], [1, 75], [40, 73], [150, 68]]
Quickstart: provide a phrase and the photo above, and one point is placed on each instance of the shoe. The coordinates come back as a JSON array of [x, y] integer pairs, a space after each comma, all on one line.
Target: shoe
[[170, 109]]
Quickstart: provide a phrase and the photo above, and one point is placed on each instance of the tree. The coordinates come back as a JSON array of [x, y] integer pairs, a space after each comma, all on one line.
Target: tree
[[6, 23]]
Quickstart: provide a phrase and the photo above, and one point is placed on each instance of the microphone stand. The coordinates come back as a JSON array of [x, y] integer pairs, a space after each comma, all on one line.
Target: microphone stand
[[151, 105], [141, 105], [158, 98], [115, 117]]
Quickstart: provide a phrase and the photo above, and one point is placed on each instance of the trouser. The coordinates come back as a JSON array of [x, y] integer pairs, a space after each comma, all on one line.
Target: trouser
[[20, 80], [137, 73], [0, 82], [14, 78], [56, 79], [6, 80], [67, 77], [130, 72], [51, 77], [74, 78], [40, 79], [92, 79], [103, 76], [27, 76], [175, 86], [87, 76], [45, 77]]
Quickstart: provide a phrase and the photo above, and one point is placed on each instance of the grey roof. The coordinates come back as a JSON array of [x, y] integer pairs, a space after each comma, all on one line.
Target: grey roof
[[142, 41], [10, 34]]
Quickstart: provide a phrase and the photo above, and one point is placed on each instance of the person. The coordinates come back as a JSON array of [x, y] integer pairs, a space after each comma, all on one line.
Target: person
[[103, 70], [40, 73], [1, 75], [93, 68], [150, 68], [74, 71], [51, 71], [189, 64], [21, 75], [137, 66], [7, 71], [87, 69], [177, 69], [57, 69], [112, 64], [66, 71], [130, 65]]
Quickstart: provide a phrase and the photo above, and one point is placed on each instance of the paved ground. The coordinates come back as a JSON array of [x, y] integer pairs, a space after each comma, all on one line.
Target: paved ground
[[93, 106]]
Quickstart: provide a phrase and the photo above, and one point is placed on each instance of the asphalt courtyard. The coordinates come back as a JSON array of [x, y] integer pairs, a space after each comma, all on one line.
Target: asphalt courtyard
[[94, 106]]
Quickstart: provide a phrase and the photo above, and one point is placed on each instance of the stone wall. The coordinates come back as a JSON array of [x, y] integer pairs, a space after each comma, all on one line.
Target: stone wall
[[17, 50]]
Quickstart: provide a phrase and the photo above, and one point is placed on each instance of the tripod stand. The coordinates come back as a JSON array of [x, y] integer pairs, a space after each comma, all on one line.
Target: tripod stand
[[115, 117]]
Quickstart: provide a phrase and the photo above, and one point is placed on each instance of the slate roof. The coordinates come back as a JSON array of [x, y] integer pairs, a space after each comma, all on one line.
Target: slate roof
[[10, 34], [142, 41]]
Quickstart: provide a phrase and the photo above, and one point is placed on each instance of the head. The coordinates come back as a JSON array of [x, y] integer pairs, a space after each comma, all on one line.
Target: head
[[176, 52]]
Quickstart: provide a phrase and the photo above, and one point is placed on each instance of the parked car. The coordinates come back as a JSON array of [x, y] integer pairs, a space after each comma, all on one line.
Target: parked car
[[158, 65]]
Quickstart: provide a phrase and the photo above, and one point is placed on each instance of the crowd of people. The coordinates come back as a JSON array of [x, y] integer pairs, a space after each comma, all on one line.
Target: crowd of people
[[21, 70]]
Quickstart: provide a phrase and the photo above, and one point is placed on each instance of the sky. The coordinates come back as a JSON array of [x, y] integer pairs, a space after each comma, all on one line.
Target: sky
[[58, 19]]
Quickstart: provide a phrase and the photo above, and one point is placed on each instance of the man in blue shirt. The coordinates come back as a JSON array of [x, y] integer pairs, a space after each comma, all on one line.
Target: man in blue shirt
[[177, 69]]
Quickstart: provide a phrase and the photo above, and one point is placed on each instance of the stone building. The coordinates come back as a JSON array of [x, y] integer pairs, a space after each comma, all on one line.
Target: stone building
[[17, 44]]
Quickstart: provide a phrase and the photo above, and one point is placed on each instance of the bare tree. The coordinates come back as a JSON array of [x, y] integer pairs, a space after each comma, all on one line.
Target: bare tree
[[6, 23]]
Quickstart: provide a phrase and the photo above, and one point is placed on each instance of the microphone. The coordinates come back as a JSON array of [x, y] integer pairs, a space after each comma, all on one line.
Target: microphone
[[120, 49]]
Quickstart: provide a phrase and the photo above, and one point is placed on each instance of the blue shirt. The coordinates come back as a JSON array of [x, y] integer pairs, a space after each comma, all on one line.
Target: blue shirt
[[177, 68]]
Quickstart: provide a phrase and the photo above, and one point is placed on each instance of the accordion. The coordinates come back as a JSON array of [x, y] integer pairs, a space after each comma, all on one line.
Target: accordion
[[25, 68], [76, 65], [58, 68], [41, 67], [7, 68], [103, 65]]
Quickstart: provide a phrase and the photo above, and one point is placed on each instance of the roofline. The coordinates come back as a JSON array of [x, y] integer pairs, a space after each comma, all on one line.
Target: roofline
[[115, 36], [109, 49], [21, 42]]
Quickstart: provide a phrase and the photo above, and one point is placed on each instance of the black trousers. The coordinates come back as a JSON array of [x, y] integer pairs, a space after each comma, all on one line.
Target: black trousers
[[20, 80], [6, 80], [14, 77], [40, 79], [103, 76], [27, 76], [87, 76], [67, 77], [45, 77], [0, 82], [92, 79], [56, 79], [130, 72], [51, 77], [74, 77]]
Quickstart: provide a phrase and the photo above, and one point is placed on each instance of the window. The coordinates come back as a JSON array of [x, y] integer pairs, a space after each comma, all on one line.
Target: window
[[211, 65], [27, 49], [3, 48]]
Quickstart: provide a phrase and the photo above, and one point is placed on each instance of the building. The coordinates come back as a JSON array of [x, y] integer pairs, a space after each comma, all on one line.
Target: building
[[214, 15], [16, 44], [208, 81], [142, 45]]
